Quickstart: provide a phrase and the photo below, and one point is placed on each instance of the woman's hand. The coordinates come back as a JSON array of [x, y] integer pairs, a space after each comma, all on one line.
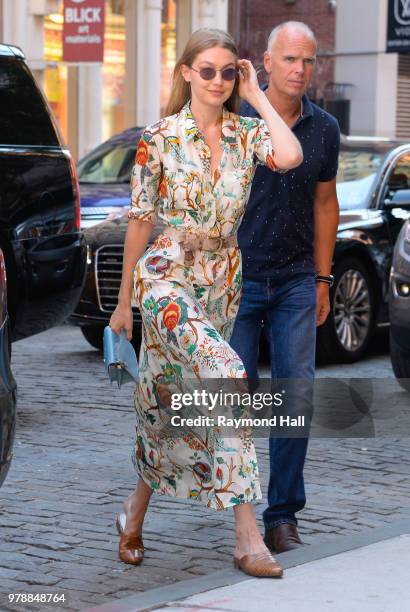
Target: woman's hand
[[122, 318], [248, 81]]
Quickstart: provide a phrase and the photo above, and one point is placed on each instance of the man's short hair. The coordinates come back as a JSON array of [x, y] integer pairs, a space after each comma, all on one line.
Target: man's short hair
[[292, 25]]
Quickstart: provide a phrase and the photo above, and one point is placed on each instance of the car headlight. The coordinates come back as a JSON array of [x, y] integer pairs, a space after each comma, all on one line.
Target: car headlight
[[407, 232], [403, 289], [116, 212], [89, 255]]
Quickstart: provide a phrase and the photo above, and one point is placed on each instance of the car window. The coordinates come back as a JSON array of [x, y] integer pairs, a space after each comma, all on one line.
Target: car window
[[400, 177], [108, 164], [356, 176], [24, 118]]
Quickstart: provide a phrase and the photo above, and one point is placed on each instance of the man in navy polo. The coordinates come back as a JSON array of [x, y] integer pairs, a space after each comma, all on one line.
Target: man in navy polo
[[287, 239]]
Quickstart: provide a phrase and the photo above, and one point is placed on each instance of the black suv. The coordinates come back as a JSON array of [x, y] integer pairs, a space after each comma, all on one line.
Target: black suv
[[7, 382], [44, 251]]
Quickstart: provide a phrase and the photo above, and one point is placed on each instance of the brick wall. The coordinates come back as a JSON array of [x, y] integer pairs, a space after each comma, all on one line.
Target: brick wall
[[251, 21]]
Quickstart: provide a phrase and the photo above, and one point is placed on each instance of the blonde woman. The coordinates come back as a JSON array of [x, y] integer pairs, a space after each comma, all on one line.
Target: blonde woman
[[194, 170]]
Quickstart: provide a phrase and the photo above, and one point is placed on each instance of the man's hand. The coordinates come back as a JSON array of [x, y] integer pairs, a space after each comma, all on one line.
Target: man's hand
[[326, 210], [322, 303]]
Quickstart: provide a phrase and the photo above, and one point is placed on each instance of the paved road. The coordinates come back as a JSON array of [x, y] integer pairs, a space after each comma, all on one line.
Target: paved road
[[72, 469]]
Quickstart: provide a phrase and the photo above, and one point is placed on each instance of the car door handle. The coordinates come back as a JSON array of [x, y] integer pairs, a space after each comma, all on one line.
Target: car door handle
[[54, 254]]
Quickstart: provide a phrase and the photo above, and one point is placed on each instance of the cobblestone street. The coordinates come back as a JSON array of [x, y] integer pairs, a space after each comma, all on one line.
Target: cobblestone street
[[72, 469]]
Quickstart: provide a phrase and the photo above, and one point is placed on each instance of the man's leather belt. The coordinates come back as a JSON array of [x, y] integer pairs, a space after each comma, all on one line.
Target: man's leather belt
[[199, 241]]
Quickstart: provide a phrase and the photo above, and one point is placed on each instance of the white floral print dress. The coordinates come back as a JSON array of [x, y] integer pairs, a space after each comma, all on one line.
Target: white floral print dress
[[188, 301]]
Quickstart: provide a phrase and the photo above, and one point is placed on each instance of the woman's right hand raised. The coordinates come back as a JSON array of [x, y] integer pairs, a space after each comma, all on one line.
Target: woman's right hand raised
[[122, 318]]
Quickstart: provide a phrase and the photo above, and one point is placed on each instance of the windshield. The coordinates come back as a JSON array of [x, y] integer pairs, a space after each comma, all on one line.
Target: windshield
[[355, 177], [107, 165]]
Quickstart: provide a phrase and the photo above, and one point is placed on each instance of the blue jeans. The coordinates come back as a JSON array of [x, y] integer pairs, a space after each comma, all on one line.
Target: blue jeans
[[287, 306]]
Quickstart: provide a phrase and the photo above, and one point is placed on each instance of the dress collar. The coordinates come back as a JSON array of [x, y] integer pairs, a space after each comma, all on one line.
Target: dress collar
[[191, 130]]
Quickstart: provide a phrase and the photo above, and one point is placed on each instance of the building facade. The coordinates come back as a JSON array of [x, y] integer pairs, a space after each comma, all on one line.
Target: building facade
[[379, 82], [365, 87], [141, 42], [251, 21]]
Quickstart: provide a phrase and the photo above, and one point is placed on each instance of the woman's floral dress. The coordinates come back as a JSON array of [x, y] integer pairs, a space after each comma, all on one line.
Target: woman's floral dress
[[189, 300]]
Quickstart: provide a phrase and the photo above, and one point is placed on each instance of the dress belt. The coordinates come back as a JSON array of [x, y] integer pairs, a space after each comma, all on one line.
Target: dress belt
[[199, 241]]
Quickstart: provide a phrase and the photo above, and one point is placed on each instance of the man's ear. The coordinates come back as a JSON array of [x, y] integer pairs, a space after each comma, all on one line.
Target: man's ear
[[185, 72], [267, 62]]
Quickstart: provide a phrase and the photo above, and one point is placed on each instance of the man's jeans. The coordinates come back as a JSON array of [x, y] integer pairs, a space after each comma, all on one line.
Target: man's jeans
[[288, 308]]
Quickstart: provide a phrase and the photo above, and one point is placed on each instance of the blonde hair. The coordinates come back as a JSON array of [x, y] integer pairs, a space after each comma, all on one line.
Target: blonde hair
[[202, 39]]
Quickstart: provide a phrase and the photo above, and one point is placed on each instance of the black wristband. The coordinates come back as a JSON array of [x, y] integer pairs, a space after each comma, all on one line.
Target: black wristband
[[329, 280]]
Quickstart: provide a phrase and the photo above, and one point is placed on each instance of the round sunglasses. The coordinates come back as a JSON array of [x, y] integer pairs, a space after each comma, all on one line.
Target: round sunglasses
[[228, 74]]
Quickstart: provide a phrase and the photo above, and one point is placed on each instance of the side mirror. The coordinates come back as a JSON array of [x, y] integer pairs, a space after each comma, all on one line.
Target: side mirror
[[400, 199]]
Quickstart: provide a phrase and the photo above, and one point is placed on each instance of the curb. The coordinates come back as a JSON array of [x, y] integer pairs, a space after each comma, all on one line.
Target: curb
[[161, 596]]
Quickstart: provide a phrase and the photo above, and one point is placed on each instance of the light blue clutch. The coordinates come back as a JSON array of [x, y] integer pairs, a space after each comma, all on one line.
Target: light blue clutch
[[119, 358]]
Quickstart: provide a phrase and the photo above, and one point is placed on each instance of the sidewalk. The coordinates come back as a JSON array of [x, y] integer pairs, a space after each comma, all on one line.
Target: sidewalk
[[370, 576]]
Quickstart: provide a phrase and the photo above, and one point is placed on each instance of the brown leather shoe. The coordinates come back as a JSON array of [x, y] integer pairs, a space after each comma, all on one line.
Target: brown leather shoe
[[131, 548], [282, 538], [261, 565]]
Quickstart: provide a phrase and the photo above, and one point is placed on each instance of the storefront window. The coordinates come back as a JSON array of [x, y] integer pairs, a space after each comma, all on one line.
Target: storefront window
[[55, 74], [168, 50], [113, 69]]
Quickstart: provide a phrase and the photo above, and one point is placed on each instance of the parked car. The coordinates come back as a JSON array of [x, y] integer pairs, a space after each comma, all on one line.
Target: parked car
[[44, 250], [7, 382], [372, 175], [104, 177], [400, 304], [105, 243]]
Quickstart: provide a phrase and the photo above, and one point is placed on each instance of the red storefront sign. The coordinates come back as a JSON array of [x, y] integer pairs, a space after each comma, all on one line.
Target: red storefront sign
[[83, 31]]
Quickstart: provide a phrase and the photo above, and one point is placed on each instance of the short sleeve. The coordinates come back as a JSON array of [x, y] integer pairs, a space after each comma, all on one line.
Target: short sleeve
[[262, 145], [330, 163], [146, 180]]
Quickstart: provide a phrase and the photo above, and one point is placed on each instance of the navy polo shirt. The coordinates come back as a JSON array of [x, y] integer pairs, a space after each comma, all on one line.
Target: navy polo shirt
[[276, 233]]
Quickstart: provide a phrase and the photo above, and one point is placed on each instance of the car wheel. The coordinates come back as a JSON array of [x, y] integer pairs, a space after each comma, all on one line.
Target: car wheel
[[345, 336], [94, 335], [400, 361], [136, 339]]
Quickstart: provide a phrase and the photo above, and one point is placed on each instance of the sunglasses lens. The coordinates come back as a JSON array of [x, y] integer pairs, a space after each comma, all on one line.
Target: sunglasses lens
[[229, 74], [207, 73]]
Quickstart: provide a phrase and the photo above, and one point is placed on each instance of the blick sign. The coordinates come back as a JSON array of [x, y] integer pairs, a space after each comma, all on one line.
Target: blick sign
[[83, 31]]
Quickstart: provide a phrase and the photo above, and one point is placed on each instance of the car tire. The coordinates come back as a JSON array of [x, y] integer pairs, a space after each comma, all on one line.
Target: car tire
[[400, 361], [94, 334], [345, 335]]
